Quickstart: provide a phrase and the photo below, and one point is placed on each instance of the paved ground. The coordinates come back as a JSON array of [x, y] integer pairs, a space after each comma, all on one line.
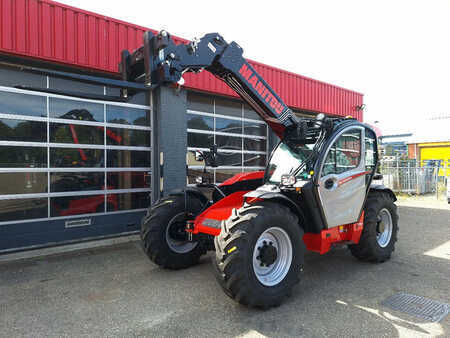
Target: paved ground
[[116, 291]]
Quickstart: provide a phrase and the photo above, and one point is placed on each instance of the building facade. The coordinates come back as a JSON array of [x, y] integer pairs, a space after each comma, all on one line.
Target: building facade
[[75, 169]]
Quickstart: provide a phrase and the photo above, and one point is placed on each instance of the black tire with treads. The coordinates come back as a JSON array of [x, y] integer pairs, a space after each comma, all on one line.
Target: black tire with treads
[[233, 263], [368, 248], [153, 232]]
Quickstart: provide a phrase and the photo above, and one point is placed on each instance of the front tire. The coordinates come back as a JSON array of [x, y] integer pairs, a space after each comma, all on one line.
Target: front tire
[[259, 254], [380, 230], [162, 233]]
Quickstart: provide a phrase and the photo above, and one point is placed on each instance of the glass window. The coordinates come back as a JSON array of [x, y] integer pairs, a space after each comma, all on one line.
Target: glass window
[[76, 205], [23, 157], [370, 141], [76, 181], [345, 153], [128, 158], [127, 115], [128, 180], [76, 158], [229, 142], [228, 107], [127, 137], [200, 122], [229, 159], [255, 144], [249, 113], [253, 128], [194, 173], [224, 174], [23, 183], [23, 131], [23, 104], [128, 201], [229, 126], [19, 209], [76, 110], [200, 102], [76, 134], [254, 160], [200, 140]]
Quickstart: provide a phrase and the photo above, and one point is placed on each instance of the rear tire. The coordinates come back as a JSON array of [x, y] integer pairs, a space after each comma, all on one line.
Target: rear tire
[[163, 222], [380, 230], [265, 281]]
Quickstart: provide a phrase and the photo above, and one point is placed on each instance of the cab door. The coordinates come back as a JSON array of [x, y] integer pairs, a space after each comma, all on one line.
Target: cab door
[[342, 178]]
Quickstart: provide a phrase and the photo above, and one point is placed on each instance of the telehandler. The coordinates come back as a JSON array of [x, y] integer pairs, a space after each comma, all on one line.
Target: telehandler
[[315, 193]]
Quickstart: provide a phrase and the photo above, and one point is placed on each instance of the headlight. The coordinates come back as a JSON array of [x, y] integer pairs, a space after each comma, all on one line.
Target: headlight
[[199, 180], [288, 180]]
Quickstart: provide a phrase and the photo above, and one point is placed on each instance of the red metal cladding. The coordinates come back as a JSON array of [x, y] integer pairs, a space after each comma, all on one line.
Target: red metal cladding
[[51, 31]]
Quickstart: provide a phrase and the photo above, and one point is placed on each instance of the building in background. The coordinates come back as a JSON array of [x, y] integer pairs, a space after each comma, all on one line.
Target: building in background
[[75, 169]]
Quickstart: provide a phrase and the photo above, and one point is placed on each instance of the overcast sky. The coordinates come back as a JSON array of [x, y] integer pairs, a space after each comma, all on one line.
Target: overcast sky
[[397, 53]]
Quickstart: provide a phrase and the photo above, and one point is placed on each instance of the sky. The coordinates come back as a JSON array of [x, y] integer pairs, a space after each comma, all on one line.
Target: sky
[[397, 53]]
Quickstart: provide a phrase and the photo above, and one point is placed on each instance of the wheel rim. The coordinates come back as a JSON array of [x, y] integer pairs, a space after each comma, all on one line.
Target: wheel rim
[[176, 245], [270, 270], [384, 227]]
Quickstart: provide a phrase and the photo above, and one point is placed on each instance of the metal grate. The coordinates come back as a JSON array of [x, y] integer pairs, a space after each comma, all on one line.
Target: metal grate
[[418, 306]]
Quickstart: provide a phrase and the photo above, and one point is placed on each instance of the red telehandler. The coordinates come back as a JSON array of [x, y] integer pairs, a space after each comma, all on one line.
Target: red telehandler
[[316, 191]]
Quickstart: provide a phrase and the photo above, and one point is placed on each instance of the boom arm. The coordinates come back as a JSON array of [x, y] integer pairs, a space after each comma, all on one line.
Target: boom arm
[[161, 61]]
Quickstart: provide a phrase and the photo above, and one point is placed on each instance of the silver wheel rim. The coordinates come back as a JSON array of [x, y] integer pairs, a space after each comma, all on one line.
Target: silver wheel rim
[[384, 228], [274, 273], [175, 245]]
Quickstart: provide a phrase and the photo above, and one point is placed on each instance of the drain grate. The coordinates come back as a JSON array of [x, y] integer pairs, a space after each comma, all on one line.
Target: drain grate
[[421, 307]]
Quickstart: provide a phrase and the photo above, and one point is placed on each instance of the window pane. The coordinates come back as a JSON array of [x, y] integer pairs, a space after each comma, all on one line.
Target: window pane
[[62, 182], [76, 205], [193, 173], [229, 159], [249, 113], [229, 142], [228, 107], [127, 137], [253, 128], [200, 140], [23, 183], [224, 174], [228, 126], [25, 131], [128, 158], [370, 150], [254, 160], [200, 122], [23, 104], [128, 201], [127, 115], [23, 157], [19, 209], [200, 102], [129, 180], [73, 157], [76, 110], [255, 144], [345, 153], [72, 133]]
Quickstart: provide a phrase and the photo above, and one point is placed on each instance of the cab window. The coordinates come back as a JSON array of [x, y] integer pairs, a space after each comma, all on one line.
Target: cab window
[[344, 154], [370, 141]]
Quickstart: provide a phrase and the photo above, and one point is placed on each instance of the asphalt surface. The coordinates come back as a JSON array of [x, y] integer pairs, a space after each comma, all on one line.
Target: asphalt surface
[[117, 291]]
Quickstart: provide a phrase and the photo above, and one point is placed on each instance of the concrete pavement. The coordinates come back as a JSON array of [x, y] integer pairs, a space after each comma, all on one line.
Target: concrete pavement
[[117, 291]]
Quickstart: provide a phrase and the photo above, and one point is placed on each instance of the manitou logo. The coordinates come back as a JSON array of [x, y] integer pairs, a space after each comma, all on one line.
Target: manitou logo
[[261, 89]]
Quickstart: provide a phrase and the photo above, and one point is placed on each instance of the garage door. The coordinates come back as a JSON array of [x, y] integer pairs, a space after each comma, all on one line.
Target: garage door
[[70, 169], [437, 153]]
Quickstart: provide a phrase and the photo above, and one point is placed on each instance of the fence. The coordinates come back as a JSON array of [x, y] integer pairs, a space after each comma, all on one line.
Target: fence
[[411, 178]]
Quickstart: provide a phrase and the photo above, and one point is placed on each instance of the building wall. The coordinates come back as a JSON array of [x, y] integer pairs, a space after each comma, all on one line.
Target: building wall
[[57, 33]]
